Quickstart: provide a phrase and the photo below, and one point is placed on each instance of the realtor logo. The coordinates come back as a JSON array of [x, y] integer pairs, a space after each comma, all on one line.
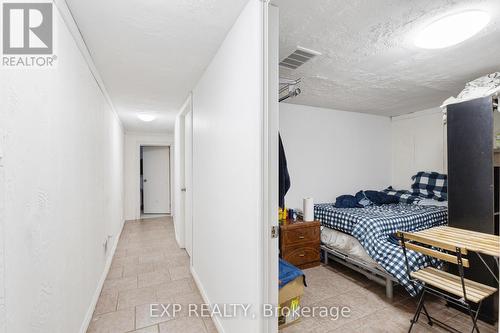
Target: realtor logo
[[27, 28], [28, 35]]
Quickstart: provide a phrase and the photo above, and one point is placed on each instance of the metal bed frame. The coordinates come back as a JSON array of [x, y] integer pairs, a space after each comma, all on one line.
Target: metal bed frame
[[372, 273]]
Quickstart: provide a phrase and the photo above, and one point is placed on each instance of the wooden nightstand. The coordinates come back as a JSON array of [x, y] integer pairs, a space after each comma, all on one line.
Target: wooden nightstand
[[300, 243]]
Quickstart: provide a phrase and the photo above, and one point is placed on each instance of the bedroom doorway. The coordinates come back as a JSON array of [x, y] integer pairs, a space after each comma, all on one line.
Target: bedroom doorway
[[155, 181], [184, 212], [188, 180]]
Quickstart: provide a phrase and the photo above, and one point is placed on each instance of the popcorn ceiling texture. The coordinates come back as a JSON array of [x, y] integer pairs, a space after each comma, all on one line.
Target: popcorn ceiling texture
[[369, 63], [150, 54]]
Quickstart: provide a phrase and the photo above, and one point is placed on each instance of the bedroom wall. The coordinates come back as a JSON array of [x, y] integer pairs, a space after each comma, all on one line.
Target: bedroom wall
[[133, 141], [227, 172], [333, 152], [61, 192], [418, 144]]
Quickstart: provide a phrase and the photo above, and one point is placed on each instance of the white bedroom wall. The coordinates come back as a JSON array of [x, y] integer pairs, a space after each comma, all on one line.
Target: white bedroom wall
[[330, 152], [133, 141], [418, 144], [61, 191], [227, 172]]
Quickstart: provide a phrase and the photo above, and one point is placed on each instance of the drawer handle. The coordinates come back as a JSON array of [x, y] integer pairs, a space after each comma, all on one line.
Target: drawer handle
[[302, 255], [301, 237]]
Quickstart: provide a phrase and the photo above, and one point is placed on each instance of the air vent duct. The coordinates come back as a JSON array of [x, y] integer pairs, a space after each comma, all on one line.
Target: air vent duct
[[299, 57]]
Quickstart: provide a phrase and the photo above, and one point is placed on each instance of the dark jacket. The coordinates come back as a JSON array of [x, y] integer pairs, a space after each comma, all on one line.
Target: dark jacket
[[284, 177]]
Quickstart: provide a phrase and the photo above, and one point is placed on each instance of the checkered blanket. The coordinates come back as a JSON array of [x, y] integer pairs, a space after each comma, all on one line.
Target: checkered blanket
[[372, 226], [404, 196]]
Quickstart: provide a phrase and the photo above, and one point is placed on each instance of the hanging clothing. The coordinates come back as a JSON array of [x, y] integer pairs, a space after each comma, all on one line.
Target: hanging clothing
[[284, 177]]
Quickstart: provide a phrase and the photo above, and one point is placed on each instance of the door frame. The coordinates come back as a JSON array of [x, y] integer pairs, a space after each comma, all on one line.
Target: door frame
[[270, 161], [151, 143], [170, 173], [180, 174]]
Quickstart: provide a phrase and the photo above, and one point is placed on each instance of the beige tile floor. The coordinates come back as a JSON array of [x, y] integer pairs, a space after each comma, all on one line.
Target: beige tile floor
[[370, 310], [148, 268]]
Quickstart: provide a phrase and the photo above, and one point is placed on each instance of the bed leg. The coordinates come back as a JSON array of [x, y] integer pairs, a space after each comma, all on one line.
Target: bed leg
[[389, 289], [325, 257]]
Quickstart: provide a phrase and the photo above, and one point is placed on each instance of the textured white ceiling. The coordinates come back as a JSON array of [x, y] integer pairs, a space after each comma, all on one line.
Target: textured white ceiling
[[369, 63], [151, 53]]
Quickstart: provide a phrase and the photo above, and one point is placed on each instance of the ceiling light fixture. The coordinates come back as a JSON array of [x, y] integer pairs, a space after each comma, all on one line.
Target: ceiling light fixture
[[146, 117], [452, 29]]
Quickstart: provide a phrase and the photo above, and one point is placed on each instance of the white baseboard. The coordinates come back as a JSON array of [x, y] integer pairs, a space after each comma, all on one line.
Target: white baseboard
[[196, 279], [95, 298]]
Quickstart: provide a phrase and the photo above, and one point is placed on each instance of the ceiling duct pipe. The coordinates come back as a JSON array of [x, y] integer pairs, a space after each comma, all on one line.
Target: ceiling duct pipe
[[289, 88]]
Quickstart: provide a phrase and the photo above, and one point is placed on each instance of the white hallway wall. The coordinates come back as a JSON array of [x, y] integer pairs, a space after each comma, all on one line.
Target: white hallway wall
[[3, 118], [330, 152], [133, 141], [418, 144], [62, 192], [227, 173]]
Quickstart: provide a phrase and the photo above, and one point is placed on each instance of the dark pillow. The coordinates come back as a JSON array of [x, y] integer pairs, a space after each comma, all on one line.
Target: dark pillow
[[347, 201], [362, 200], [381, 198]]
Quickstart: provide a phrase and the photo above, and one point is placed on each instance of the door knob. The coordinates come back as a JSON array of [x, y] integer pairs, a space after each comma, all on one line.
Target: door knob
[[145, 180], [183, 189]]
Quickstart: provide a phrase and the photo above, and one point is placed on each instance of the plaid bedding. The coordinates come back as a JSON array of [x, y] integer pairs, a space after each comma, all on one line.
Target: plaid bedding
[[372, 226], [404, 196], [431, 185]]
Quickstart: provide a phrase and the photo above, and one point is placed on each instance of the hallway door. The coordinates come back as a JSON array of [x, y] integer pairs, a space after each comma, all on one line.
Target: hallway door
[[156, 183]]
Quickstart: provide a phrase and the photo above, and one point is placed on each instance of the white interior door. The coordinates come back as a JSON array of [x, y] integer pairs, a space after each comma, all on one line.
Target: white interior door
[[188, 199], [156, 179]]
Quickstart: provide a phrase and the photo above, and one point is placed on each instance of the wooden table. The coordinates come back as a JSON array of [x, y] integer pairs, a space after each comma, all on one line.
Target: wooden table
[[472, 241]]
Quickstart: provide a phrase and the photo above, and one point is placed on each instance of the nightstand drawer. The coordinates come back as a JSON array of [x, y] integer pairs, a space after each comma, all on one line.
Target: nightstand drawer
[[300, 235], [302, 254]]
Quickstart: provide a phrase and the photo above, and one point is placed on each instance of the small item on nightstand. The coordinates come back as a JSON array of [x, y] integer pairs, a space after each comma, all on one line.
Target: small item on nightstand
[[308, 210], [292, 215], [283, 214]]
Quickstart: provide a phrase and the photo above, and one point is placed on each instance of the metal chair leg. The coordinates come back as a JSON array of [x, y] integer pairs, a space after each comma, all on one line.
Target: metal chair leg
[[429, 318], [474, 317], [461, 271], [417, 312]]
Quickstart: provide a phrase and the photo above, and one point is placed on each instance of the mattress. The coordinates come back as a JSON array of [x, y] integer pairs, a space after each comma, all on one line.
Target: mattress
[[372, 226], [346, 219], [346, 244]]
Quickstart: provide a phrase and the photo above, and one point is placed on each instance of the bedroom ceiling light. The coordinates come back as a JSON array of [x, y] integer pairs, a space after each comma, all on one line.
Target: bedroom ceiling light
[[146, 117], [452, 29]]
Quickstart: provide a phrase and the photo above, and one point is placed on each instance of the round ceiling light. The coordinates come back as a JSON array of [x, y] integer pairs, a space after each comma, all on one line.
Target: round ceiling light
[[452, 29], [146, 117]]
